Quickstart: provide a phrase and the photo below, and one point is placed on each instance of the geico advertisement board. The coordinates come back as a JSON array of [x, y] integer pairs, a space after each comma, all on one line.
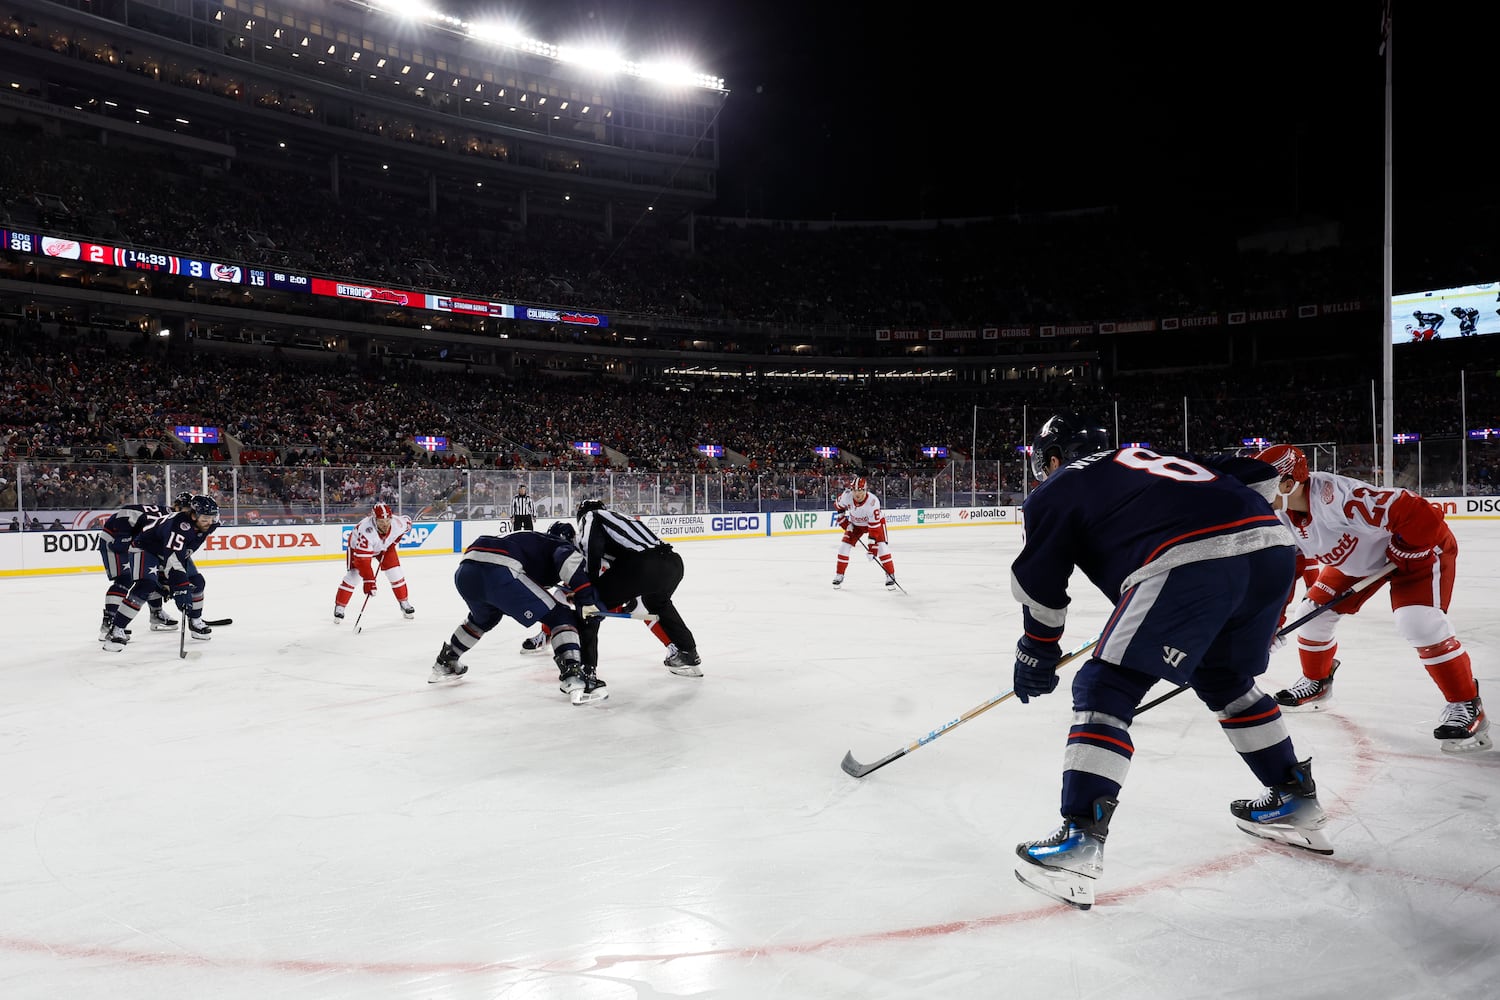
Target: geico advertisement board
[[78, 551], [684, 527]]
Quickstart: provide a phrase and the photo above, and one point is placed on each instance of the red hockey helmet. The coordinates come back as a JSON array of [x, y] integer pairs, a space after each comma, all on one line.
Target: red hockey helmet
[[1288, 460], [860, 486], [382, 512]]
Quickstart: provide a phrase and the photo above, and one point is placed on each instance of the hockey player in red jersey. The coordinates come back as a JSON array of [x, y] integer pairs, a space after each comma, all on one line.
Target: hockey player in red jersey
[[1352, 529], [858, 512], [373, 545]]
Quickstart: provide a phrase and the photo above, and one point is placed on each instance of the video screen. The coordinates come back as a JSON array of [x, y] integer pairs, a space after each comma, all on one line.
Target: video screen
[[1466, 311]]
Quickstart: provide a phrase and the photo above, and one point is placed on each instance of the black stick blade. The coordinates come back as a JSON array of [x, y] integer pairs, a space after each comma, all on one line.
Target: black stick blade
[[855, 769]]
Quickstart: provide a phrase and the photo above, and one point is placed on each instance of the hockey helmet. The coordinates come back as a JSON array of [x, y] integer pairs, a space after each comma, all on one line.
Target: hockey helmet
[[563, 531], [1288, 460], [586, 506], [182, 501], [204, 506], [1069, 436], [860, 486]]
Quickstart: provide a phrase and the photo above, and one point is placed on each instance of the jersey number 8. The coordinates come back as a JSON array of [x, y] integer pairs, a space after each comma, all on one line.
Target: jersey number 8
[[1165, 466]]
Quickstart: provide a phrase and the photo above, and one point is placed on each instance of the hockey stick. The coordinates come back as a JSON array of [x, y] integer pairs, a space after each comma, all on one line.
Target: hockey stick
[[889, 576], [362, 613], [1287, 630], [855, 769], [182, 635], [218, 622], [640, 614]]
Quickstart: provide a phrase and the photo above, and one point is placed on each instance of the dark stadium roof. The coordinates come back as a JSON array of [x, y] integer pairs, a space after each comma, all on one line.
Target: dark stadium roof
[[942, 111]]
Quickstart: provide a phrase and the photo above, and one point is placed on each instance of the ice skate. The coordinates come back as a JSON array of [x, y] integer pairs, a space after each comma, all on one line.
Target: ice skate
[[447, 666], [408, 611], [338, 614], [890, 583], [534, 644], [161, 621], [590, 688], [1066, 864], [1308, 695], [838, 581], [115, 640], [1287, 814], [1463, 727], [683, 662], [198, 630], [105, 625]]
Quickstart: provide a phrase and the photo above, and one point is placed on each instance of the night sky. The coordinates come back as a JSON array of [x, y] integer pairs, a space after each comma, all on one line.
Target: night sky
[[838, 111]]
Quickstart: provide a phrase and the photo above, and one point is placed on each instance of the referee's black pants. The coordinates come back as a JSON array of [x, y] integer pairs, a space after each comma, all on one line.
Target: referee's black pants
[[521, 522], [653, 576]]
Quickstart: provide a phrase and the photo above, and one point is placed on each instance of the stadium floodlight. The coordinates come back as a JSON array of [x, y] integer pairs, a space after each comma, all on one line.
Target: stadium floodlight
[[596, 58]]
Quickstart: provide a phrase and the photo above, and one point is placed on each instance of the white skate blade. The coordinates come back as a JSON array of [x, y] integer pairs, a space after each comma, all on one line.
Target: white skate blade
[[686, 670], [570, 685], [158, 627], [1063, 886], [579, 697], [437, 677], [1473, 744], [1298, 837]]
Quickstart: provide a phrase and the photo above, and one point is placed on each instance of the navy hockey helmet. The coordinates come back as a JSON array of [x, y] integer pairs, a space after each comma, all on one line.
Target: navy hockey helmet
[[586, 506], [204, 506], [182, 501], [1069, 436], [562, 530]]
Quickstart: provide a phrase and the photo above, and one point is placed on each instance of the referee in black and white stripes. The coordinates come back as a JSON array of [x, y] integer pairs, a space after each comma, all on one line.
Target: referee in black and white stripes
[[521, 510], [625, 559]]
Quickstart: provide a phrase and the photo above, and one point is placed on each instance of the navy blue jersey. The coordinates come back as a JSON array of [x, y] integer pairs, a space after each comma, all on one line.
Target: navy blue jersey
[[544, 558], [174, 535], [1123, 516], [129, 521]]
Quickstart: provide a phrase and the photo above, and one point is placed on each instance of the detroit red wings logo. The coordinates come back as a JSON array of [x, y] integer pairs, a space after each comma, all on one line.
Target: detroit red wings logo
[[1325, 492]]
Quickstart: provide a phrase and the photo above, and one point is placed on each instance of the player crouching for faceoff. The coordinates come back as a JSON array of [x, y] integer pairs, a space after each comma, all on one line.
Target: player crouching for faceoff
[[512, 575], [166, 546], [1199, 569], [1353, 529], [857, 511], [375, 544]]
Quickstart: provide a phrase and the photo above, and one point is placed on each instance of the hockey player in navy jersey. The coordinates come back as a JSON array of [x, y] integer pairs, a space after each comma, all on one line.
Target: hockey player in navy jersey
[[513, 574], [1199, 569], [123, 565], [166, 547]]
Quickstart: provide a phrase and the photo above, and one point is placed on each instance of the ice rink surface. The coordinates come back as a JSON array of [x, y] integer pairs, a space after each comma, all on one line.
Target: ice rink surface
[[294, 812]]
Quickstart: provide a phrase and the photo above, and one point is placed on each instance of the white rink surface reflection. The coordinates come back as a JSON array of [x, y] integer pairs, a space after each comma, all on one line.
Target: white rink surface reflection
[[293, 812]]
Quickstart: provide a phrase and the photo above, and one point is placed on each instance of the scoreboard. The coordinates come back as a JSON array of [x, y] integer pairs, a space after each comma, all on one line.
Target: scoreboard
[[133, 259]]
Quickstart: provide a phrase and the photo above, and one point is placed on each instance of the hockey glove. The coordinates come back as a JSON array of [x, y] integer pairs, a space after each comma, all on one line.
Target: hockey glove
[[182, 596], [842, 521], [1036, 667], [370, 585], [1407, 558]]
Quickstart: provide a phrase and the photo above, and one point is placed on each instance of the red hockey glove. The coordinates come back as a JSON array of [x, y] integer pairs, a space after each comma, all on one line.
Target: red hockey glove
[[842, 521], [370, 585], [1409, 560]]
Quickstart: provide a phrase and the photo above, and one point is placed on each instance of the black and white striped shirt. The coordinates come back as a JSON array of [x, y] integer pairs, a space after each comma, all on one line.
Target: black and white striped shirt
[[606, 535], [522, 505]]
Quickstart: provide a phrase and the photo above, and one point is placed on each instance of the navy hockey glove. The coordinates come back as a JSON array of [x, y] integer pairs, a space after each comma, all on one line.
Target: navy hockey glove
[[182, 596], [1036, 667]]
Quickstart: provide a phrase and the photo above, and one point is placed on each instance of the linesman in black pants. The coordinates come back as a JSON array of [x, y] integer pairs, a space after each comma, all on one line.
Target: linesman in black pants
[[625, 560], [521, 509]]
